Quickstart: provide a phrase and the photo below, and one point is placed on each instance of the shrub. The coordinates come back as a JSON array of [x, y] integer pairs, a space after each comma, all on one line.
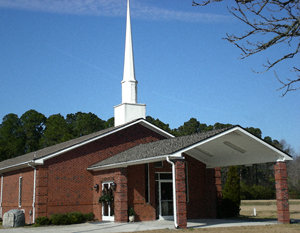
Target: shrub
[[89, 217], [60, 219], [41, 221], [76, 217], [71, 218], [228, 209]]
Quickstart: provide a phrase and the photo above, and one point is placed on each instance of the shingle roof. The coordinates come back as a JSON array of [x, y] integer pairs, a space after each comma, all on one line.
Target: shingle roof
[[158, 148], [62, 146]]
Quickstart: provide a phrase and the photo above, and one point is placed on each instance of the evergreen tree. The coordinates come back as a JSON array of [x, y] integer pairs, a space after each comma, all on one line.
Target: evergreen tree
[[56, 131], [33, 124], [12, 138], [231, 194]]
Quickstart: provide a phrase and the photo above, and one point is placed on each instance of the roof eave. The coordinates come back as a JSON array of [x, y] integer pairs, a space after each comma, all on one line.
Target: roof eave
[[26, 164], [135, 162], [40, 161]]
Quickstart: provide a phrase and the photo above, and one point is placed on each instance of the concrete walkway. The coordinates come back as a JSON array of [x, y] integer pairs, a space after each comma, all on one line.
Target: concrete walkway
[[107, 227]]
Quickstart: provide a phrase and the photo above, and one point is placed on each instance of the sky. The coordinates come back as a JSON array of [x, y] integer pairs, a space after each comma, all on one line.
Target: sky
[[65, 56]]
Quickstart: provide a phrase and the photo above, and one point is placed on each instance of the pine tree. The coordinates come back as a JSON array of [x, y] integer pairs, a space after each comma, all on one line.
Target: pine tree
[[231, 194]]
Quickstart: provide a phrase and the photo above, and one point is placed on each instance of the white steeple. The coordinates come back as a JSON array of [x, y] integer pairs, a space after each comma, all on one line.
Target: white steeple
[[129, 83], [129, 110]]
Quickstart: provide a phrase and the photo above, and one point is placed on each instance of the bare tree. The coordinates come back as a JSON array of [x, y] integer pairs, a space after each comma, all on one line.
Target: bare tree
[[271, 23]]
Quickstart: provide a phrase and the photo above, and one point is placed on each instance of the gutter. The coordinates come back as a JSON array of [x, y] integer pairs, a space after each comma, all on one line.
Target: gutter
[[174, 192], [34, 188]]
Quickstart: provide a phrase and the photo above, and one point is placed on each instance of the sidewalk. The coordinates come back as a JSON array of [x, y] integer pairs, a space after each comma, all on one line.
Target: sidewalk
[[108, 227]]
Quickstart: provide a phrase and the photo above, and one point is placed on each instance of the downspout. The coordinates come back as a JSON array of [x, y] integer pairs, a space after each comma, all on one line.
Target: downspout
[[1, 196], [174, 192], [33, 196]]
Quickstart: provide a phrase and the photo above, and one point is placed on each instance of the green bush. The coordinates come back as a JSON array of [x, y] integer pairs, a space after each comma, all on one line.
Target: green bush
[[89, 217], [257, 192], [42, 221], [71, 218], [228, 208], [76, 217], [60, 219]]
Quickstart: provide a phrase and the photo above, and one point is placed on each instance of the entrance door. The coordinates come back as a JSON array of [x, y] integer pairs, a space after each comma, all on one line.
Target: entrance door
[[165, 195], [107, 208]]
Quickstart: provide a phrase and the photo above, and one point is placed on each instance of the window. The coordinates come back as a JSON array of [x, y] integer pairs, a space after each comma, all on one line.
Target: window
[[158, 164], [20, 191], [147, 183], [187, 182]]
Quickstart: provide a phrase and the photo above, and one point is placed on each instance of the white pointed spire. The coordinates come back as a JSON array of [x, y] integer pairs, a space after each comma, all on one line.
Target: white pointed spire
[[129, 83], [129, 109]]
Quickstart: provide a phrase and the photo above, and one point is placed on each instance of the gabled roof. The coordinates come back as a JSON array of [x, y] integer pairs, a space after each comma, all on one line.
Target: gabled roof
[[38, 157], [201, 146], [156, 149]]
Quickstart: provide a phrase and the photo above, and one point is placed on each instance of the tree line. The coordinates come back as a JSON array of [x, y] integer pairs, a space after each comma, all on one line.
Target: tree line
[[33, 131]]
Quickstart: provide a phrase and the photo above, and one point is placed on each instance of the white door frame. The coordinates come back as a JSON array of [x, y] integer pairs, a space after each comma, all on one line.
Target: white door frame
[[107, 218], [170, 217]]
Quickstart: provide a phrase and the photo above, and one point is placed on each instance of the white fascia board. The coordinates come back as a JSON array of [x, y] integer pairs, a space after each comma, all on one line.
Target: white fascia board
[[207, 140], [15, 166], [283, 155], [41, 160], [157, 128], [135, 162]]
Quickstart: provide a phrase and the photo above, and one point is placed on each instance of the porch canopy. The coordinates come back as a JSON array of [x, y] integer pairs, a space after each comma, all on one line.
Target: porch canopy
[[216, 148]]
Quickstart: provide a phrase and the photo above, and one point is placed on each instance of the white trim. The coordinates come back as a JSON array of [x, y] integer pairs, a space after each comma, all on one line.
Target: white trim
[[174, 192], [41, 160], [107, 218], [128, 163], [282, 154], [17, 165], [157, 128], [1, 196]]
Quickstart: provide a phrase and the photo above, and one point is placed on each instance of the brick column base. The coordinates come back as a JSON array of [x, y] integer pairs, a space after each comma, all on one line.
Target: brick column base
[[120, 198], [282, 196], [180, 193]]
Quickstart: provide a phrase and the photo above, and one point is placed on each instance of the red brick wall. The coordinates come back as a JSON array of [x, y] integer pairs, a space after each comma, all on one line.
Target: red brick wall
[[11, 192], [136, 192], [202, 190], [70, 185]]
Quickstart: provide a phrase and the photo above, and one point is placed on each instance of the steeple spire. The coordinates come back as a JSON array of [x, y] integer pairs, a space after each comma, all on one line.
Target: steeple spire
[[129, 83], [129, 109]]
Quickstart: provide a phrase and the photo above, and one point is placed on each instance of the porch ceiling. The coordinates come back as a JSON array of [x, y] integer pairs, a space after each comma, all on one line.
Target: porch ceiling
[[235, 147]]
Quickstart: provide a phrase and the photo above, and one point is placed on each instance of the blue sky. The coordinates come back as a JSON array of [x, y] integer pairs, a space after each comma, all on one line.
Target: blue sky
[[67, 56]]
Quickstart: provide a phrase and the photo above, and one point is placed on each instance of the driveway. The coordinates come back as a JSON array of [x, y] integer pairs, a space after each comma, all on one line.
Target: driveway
[[107, 227]]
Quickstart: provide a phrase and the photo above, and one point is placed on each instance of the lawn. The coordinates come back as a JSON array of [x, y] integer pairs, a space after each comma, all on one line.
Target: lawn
[[267, 208], [264, 209], [278, 228]]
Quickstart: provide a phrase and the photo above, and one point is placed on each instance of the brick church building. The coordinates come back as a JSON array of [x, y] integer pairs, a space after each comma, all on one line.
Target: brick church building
[[145, 168]]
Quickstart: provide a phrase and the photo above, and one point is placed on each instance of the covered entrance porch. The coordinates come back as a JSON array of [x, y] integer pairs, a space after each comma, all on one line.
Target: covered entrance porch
[[214, 149]]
